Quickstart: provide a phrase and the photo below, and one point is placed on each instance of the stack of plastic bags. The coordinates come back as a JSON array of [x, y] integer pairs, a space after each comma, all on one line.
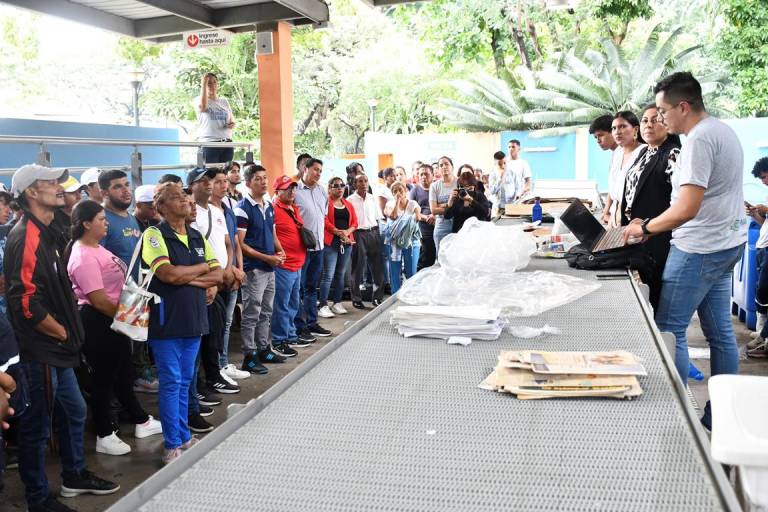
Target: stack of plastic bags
[[445, 322]]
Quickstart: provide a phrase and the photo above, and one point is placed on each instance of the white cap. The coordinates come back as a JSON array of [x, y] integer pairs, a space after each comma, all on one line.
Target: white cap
[[26, 175], [90, 175], [71, 185], [144, 193]]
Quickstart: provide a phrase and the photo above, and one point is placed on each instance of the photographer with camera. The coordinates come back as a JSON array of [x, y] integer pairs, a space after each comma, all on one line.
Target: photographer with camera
[[466, 201]]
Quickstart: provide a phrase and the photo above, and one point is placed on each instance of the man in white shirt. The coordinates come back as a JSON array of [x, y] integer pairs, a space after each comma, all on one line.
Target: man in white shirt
[[520, 169], [368, 244], [758, 347]]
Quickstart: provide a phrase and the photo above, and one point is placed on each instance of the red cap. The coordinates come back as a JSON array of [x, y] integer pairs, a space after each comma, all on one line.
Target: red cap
[[283, 182]]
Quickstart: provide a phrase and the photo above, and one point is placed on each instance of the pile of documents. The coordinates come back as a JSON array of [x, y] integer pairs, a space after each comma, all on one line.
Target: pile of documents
[[477, 322], [530, 374]]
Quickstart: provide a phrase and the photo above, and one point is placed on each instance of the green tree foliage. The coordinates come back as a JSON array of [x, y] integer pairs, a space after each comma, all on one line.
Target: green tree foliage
[[137, 52], [619, 13], [744, 45], [19, 52]]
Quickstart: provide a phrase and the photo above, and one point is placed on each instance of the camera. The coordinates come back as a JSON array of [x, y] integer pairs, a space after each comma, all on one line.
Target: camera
[[462, 192]]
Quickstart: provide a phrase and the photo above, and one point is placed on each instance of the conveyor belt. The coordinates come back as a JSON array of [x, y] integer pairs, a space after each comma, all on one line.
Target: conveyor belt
[[377, 422]]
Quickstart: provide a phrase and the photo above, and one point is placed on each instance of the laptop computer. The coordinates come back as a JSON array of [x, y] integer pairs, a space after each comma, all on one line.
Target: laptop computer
[[590, 231]]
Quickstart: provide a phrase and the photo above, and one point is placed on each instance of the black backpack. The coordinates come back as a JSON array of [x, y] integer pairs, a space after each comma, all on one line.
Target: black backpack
[[634, 257]]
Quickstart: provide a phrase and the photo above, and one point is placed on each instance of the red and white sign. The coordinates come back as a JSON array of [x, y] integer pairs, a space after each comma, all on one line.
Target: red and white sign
[[206, 39]]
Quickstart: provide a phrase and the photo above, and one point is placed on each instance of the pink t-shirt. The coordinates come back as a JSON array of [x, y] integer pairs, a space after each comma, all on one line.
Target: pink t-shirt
[[95, 268]]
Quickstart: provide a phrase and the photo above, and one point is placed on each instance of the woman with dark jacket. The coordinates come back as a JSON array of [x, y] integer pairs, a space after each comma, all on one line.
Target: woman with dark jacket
[[466, 201], [647, 191]]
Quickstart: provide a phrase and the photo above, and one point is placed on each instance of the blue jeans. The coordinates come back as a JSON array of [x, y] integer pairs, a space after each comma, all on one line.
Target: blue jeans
[[230, 312], [306, 316], [58, 385], [386, 254], [443, 227], [175, 362], [700, 282], [335, 264], [286, 305], [410, 257]]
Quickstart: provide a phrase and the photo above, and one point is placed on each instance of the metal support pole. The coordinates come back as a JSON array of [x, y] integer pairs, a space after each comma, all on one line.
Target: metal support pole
[[200, 157], [136, 85], [249, 156], [44, 156], [136, 167], [373, 119]]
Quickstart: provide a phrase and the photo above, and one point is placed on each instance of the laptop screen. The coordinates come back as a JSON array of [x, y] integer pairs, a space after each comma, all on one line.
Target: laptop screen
[[582, 224]]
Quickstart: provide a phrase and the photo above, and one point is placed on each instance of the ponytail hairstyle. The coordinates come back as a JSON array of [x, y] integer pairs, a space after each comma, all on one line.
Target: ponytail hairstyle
[[85, 211]]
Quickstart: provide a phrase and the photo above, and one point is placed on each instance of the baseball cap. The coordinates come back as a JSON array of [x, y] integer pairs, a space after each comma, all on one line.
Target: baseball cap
[[26, 175], [72, 185], [90, 176], [195, 174], [145, 193], [283, 182]]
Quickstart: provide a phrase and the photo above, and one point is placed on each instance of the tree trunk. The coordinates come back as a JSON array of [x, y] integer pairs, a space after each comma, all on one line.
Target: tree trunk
[[519, 35], [498, 56]]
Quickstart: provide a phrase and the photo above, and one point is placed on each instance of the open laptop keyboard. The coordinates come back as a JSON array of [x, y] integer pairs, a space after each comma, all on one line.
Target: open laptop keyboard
[[611, 240]]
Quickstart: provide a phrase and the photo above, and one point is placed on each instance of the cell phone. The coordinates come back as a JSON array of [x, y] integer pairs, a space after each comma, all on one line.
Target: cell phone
[[612, 276]]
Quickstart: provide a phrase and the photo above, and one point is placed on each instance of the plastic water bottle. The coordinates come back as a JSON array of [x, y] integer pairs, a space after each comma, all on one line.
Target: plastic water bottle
[[536, 213]]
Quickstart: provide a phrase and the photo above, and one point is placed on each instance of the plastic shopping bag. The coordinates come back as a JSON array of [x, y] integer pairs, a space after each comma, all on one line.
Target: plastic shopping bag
[[132, 317]]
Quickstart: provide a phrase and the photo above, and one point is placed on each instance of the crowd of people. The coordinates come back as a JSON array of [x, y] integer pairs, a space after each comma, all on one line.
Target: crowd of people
[[216, 239]]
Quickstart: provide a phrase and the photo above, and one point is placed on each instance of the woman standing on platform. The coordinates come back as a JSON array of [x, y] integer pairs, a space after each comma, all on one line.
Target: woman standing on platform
[[439, 193], [97, 278], [626, 132], [216, 121]]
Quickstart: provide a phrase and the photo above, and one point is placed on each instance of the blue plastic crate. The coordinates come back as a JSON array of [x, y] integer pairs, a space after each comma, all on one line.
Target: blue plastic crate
[[745, 281]]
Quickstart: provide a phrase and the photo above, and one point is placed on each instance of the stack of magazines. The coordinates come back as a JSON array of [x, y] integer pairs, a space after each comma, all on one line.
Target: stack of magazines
[[531, 374], [477, 322]]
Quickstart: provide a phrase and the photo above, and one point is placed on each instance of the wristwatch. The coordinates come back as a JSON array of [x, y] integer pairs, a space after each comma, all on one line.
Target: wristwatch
[[644, 226]]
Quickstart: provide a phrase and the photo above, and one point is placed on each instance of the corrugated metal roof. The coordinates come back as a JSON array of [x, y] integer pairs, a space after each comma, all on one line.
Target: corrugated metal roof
[[130, 9]]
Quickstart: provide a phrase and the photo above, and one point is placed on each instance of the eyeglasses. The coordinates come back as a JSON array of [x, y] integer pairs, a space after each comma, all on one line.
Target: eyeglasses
[[663, 112], [336, 185]]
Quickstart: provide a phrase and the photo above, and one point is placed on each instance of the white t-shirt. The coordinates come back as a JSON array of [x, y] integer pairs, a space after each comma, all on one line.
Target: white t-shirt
[[521, 171], [213, 122], [762, 240], [219, 231], [412, 207], [712, 158], [619, 172], [439, 192]]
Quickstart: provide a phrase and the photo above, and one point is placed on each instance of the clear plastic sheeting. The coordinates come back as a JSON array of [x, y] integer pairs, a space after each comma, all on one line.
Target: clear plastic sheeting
[[478, 268], [525, 332]]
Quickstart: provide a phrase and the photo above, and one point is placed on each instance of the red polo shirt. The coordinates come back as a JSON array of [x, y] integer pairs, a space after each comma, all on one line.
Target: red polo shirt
[[288, 234]]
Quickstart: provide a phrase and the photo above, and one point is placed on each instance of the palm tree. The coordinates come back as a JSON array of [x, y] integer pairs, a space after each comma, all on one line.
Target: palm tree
[[582, 85]]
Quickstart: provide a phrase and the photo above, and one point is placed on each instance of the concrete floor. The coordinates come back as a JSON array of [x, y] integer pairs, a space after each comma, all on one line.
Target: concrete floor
[[130, 470]]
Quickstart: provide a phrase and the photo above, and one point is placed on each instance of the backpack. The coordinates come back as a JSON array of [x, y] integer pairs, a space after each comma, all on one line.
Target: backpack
[[634, 257]]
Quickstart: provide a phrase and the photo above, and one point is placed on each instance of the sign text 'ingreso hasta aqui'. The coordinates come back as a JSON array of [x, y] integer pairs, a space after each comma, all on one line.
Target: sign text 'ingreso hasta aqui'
[[206, 39]]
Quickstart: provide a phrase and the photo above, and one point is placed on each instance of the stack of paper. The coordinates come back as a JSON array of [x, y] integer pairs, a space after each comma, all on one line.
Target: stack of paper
[[533, 374], [442, 322]]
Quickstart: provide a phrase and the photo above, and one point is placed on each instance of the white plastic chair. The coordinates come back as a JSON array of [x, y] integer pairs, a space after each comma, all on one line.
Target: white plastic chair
[[740, 431]]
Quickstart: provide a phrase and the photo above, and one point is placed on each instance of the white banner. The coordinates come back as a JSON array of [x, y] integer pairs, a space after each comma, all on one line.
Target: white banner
[[206, 39]]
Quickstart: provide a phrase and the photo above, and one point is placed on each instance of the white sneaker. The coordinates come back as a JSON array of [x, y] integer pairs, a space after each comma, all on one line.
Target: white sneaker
[[150, 428], [232, 372], [227, 378], [111, 445], [338, 308], [325, 312]]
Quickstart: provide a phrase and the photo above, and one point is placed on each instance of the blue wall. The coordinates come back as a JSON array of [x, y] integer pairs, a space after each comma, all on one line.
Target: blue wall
[[16, 155], [599, 162], [752, 132], [558, 164]]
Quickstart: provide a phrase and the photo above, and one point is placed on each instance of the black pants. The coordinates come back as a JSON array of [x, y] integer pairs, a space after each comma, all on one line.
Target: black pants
[[427, 254], [212, 343], [109, 355], [218, 155], [368, 253]]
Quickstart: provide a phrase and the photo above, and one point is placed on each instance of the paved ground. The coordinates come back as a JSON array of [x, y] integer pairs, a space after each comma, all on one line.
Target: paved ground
[[132, 469]]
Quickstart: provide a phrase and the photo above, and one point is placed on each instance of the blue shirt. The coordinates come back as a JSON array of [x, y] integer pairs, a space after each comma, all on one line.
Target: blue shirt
[[123, 234], [231, 220], [259, 226]]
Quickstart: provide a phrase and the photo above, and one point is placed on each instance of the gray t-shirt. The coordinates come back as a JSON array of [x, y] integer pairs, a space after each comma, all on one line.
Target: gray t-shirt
[[213, 122], [313, 205], [439, 192], [712, 157]]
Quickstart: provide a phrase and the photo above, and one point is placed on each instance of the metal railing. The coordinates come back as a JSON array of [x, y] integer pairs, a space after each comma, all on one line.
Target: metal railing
[[136, 166]]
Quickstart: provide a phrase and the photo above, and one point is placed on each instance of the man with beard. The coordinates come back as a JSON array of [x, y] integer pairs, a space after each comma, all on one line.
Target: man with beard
[[123, 232]]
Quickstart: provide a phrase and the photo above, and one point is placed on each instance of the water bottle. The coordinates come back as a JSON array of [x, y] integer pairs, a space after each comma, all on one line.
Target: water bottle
[[536, 213]]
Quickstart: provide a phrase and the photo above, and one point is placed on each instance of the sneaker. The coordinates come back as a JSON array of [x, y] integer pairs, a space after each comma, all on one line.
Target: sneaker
[[11, 457], [228, 379], [189, 444], [150, 428], [756, 342], [694, 373], [171, 455], [376, 302], [252, 364], [270, 356], [325, 312], [222, 386], [232, 372], [338, 308], [206, 398], [86, 483], [760, 351], [285, 350], [198, 424], [50, 505], [358, 304], [110, 445], [205, 410], [319, 331], [304, 339], [144, 385]]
